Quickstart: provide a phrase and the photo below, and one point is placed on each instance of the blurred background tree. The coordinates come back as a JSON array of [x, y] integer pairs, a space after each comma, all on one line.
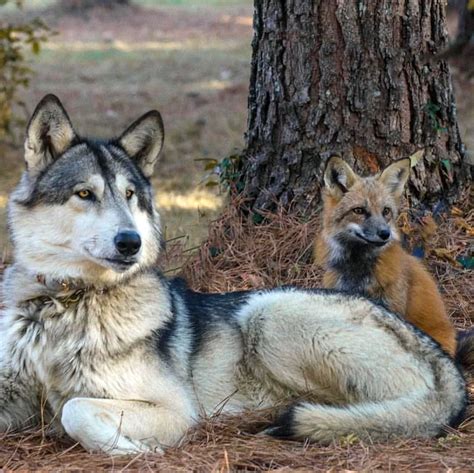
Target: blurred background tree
[[464, 11], [16, 39], [81, 5]]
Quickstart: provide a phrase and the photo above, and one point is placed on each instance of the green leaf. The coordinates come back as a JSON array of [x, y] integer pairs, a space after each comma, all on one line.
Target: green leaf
[[447, 164], [35, 47], [257, 218], [467, 262], [212, 184], [206, 159], [213, 251], [432, 107], [210, 165]]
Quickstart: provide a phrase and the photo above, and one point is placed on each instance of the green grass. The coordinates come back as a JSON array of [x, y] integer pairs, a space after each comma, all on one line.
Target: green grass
[[32, 5], [192, 3], [28, 5]]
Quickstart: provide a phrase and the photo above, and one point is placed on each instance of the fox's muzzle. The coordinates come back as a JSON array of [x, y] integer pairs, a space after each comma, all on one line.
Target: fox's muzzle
[[376, 231]]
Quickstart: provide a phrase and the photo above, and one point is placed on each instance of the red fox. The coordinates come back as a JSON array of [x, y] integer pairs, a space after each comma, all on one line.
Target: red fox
[[360, 249]]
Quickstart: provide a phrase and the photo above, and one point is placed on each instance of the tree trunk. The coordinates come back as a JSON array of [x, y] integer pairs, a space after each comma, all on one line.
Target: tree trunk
[[349, 77]]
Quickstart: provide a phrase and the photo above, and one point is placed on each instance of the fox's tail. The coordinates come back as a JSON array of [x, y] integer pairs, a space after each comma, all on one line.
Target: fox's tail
[[465, 352]]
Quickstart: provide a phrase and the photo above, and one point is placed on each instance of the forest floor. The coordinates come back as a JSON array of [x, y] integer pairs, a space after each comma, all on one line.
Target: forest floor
[[190, 59], [239, 255]]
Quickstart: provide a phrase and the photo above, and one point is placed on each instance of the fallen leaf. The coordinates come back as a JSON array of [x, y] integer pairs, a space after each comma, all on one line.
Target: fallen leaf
[[446, 254], [414, 158], [428, 227], [456, 212], [461, 223]]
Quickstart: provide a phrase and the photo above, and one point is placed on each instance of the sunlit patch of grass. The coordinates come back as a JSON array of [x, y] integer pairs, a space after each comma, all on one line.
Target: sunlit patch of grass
[[141, 46], [212, 84], [238, 20], [196, 199]]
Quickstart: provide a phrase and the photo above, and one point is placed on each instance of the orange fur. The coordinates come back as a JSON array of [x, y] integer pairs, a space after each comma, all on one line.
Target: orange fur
[[398, 279], [407, 288]]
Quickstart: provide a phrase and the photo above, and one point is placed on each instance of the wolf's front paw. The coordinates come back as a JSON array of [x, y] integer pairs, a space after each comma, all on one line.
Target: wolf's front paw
[[125, 446], [101, 429]]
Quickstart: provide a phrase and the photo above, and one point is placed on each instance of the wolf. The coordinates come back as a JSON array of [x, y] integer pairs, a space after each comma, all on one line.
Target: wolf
[[95, 341], [359, 248]]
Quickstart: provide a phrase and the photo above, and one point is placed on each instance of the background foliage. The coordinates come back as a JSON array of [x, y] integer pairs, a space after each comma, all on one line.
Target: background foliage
[[17, 39]]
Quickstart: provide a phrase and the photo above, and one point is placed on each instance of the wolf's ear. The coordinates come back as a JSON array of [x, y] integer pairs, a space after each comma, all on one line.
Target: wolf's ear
[[143, 141], [49, 134], [395, 176], [338, 176]]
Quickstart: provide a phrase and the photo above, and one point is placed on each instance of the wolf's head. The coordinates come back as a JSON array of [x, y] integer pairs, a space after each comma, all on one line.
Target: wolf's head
[[362, 211], [84, 209]]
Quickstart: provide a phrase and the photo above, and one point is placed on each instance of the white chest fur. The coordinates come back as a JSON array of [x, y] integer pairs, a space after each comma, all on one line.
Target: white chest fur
[[99, 346]]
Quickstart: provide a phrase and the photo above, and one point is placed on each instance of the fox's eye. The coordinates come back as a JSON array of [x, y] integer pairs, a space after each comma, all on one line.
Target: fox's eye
[[386, 212], [85, 194], [359, 210], [129, 194]]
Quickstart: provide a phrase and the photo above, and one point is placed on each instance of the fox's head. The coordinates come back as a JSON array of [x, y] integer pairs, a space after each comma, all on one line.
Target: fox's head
[[362, 211]]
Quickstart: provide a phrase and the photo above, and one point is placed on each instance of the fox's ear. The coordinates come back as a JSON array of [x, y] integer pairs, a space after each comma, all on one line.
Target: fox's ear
[[338, 176], [143, 141], [396, 175], [49, 134]]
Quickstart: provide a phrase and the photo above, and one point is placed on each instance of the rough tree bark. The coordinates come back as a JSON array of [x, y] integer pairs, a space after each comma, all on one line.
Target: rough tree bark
[[351, 77]]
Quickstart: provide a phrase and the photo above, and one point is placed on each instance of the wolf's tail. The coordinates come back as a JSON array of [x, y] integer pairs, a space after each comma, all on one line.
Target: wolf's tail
[[419, 414], [465, 352], [374, 421]]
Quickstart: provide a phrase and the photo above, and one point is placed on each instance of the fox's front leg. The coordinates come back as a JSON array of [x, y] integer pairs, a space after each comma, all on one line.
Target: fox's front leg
[[19, 400], [121, 427]]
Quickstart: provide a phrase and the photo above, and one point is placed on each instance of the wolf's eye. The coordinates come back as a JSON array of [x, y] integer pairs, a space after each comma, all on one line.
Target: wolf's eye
[[85, 194], [358, 210], [129, 194], [386, 212]]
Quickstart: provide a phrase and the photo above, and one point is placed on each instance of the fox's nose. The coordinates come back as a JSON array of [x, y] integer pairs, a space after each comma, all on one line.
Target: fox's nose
[[383, 234], [128, 242]]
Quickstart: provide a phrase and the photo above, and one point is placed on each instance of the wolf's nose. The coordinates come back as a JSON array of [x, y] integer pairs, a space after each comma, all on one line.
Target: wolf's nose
[[383, 234], [128, 243]]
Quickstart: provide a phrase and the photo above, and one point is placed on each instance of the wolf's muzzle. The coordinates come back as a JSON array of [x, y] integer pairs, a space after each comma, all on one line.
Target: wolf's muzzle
[[128, 243]]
